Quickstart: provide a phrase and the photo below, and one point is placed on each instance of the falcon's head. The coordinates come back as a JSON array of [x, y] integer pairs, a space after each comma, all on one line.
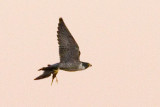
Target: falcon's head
[[86, 64]]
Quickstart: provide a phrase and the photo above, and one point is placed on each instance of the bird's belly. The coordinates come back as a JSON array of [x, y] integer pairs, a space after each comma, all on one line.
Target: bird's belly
[[69, 67]]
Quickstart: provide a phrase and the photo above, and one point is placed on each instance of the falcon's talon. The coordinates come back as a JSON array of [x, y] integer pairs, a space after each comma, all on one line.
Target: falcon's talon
[[56, 80], [52, 82]]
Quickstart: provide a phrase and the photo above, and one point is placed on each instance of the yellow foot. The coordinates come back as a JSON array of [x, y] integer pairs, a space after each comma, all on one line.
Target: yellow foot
[[52, 81], [54, 75], [56, 80]]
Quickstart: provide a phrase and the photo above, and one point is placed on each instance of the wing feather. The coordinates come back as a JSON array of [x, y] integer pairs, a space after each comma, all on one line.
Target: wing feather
[[68, 48]]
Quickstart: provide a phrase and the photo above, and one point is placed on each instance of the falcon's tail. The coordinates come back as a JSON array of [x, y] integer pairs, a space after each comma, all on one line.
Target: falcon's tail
[[44, 75], [51, 69]]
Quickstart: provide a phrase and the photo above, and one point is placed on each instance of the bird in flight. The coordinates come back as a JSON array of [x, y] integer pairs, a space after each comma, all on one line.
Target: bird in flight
[[69, 55]]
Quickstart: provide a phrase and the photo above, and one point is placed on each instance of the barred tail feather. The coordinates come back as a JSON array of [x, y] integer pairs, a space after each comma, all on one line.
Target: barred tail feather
[[50, 69], [44, 75]]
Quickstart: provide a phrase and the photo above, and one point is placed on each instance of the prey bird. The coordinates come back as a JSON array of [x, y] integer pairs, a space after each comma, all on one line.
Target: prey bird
[[69, 55]]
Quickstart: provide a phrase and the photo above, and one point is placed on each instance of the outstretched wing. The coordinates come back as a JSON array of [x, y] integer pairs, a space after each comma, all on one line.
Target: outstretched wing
[[68, 48]]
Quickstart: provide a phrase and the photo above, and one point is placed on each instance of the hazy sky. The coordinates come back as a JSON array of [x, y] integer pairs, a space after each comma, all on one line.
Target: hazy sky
[[120, 38]]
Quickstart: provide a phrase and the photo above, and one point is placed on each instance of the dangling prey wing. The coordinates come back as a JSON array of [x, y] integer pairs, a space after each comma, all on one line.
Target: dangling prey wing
[[68, 48]]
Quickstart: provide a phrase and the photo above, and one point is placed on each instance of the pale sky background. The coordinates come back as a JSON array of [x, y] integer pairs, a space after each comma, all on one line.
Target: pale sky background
[[120, 38]]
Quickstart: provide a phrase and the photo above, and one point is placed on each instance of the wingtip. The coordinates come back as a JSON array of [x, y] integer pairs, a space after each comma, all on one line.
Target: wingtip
[[39, 77], [60, 19], [36, 79]]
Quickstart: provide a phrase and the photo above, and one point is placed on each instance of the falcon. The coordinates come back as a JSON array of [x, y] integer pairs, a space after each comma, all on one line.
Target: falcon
[[69, 55]]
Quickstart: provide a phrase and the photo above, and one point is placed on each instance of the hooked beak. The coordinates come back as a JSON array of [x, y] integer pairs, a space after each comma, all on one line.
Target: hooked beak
[[90, 65]]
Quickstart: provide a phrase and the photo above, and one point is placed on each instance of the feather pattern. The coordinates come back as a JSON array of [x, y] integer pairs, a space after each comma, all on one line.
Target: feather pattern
[[68, 48]]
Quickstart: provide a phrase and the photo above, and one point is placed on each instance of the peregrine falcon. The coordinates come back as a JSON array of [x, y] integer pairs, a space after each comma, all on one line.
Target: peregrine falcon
[[69, 54]]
